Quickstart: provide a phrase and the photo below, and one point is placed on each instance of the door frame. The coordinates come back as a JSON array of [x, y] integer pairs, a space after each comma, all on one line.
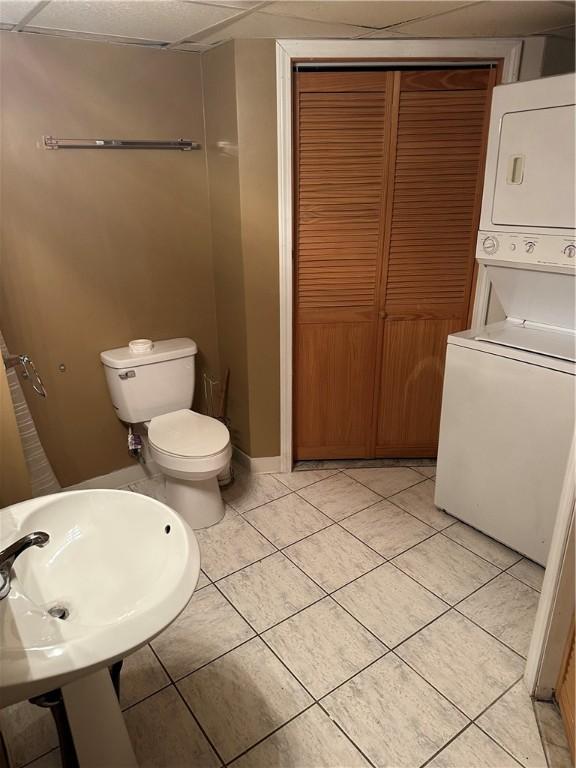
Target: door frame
[[507, 50], [556, 604]]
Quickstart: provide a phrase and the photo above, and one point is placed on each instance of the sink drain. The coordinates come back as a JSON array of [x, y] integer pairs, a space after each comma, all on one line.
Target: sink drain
[[58, 612]]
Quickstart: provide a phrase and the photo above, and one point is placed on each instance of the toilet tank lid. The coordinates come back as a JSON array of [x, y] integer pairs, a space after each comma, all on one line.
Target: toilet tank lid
[[167, 349]]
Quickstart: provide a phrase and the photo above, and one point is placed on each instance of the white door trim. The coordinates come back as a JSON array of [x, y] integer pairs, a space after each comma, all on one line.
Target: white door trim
[[286, 50], [556, 604]]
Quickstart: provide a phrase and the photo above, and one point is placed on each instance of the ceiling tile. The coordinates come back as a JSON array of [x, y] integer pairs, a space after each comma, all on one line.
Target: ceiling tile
[[192, 47], [376, 13], [13, 11], [266, 25], [242, 5], [565, 32], [496, 18], [166, 20], [76, 35]]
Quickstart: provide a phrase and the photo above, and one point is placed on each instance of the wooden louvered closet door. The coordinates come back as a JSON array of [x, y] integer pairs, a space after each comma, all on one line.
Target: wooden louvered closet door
[[342, 139], [435, 192], [388, 179]]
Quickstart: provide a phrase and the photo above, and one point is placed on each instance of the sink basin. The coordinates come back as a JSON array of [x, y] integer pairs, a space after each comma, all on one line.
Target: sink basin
[[120, 567]]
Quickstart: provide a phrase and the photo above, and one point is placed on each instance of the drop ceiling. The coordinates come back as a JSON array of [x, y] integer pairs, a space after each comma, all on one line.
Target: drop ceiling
[[197, 26]]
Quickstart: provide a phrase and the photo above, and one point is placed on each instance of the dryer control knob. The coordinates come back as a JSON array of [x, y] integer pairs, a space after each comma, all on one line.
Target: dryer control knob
[[530, 245], [490, 245], [570, 251]]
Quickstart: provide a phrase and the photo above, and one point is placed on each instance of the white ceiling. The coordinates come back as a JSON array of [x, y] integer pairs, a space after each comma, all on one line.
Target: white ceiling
[[196, 26]]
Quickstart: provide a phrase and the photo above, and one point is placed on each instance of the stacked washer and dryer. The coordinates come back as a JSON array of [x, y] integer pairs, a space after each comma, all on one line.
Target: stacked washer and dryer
[[509, 389]]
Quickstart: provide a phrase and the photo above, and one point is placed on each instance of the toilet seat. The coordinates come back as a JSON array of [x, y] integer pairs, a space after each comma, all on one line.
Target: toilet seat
[[188, 435]]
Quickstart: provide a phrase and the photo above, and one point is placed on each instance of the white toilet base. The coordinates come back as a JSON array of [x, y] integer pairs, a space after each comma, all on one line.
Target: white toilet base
[[199, 502]]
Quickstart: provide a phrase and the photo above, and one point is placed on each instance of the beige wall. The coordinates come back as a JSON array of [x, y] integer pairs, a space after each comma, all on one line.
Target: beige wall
[[240, 88], [99, 247], [224, 176], [256, 88]]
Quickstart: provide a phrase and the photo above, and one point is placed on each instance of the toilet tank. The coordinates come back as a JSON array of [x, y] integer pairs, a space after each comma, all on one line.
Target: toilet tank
[[147, 384]]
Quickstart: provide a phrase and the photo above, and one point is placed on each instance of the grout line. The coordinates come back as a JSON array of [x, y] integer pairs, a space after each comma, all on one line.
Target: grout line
[[259, 560], [189, 709], [341, 729], [454, 607], [490, 562], [163, 687], [295, 490], [421, 676], [268, 735], [488, 632], [456, 736], [541, 732], [176, 680]]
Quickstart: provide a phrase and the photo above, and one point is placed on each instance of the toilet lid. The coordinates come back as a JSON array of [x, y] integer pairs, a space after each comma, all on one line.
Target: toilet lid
[[185, 433]]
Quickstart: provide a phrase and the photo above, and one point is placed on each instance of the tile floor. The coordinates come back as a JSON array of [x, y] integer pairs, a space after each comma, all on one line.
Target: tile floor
[[341, 621]]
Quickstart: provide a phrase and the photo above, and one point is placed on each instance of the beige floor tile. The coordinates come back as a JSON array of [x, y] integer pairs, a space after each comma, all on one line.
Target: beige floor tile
[[392, 605], [309, 741], [287, 520], [506, 608], [528, 572], [339, 496], [323, 646], [165, 735], [28, 732], [153, 487], [512, 723], [142, 674], [394, 716], [269, 591], [297, 480], [427, 470], [387, 528], [249, 490], [230, 545], [419, 501], [446, 568], [203, 581], [386, 481], [208, 627], [243, 696], [482, 545], [333, 557], [463, 662], [473, 748], [553, 735]]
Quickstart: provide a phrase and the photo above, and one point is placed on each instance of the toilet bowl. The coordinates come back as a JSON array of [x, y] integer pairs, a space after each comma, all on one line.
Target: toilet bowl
[[191, 450]]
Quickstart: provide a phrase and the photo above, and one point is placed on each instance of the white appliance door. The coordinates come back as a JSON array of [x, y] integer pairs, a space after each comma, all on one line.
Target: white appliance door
[[535, 171], [505, 435]]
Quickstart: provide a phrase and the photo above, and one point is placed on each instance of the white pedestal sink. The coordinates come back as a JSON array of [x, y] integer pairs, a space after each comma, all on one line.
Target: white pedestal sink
[[122, 566]]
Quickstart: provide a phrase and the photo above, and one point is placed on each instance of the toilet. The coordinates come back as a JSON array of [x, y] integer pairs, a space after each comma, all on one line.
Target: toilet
[[153, 383]]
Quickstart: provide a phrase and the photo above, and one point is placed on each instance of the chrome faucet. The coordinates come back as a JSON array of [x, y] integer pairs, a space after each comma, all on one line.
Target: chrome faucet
[[8, 555]]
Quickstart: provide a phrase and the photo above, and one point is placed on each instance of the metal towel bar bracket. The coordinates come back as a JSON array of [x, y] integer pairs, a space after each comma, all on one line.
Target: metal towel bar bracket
[[28, 371]]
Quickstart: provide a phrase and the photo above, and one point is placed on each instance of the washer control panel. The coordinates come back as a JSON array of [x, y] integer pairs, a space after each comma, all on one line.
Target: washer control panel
[[557, 250]]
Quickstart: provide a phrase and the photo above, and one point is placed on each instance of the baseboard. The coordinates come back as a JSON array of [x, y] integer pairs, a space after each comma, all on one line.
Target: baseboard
[[119, 478], [259, 465]]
